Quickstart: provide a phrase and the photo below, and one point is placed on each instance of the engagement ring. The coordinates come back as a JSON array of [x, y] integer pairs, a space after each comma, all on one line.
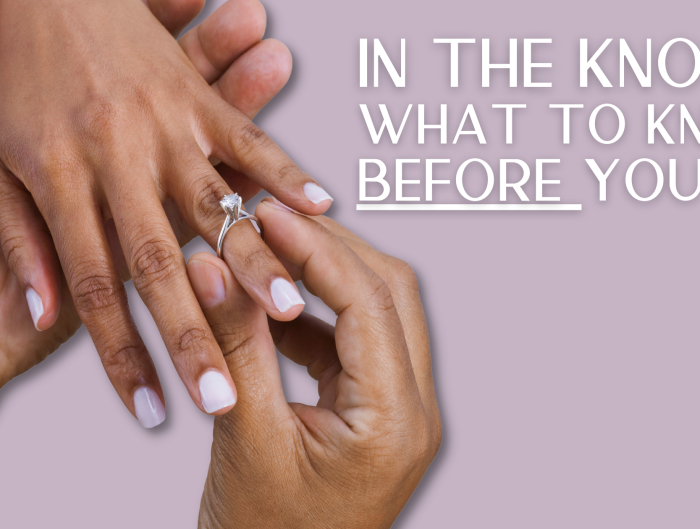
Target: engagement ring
[[233, 206]]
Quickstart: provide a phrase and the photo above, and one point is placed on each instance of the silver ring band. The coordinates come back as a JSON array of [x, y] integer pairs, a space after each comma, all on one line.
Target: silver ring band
[[233, 206]]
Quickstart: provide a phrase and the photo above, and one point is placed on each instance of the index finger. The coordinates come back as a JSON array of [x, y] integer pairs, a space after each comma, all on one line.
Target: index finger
[[235, 140], [369, 336]]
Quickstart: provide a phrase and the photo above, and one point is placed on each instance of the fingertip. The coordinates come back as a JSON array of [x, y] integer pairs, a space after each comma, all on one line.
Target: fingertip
[[282, 57], [36, 306], [44, 303], [245, 20], [290, 314], [317, 195], [287, 300], [232, 29], [148, 407], [217, 392], [256, 77], [257, 18], [174, 15]]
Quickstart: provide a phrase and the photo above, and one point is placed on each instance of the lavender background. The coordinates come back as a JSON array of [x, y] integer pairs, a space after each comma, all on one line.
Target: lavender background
[[565, 344]]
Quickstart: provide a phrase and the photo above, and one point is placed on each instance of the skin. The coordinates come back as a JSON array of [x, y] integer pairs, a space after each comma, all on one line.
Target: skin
[[248, 74], [111, 175], [355, 458]]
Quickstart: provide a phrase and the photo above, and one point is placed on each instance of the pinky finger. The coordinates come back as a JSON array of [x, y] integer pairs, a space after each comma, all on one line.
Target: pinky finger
[[28, 248]]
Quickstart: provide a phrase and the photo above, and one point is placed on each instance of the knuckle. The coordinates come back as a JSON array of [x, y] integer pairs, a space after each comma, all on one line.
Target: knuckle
[[95, 291], [417, 443], [12, 247], [141, 94], [422, 446], [257, 259], [402, 276], [231, 336], [238, 346], [154, 262], [285, 171], [436, 439], [257, 19], [121, 360], [380, 296], [321, 369], [56, 165], [191, 339], [101, 117], [414, 447], [252, 132], [206, 194], [184, 84], [248, 139]]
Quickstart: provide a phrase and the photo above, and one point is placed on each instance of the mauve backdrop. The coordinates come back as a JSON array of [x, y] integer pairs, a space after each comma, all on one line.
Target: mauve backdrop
[[565, 348]]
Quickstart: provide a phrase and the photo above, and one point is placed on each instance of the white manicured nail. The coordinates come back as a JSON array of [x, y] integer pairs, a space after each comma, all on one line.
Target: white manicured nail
[[315, 193], [215, 392], [149, 408], [284, 295], [36, 306]]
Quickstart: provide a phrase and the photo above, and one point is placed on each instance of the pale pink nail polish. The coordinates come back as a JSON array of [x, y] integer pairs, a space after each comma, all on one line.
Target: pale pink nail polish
[[36, 306], [215, 392], [284, 295], [149, 409], [316, 193]]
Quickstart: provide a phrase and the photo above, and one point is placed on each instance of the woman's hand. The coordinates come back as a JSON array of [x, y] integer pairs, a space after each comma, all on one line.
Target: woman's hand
[[247, 73], [355, 458]]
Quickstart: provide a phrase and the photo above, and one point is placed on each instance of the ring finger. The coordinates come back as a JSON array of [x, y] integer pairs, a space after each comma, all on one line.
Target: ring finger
[[197, 193]]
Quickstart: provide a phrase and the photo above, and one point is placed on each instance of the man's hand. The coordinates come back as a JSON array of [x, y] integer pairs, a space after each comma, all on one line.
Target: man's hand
[[247, 74], [355, 458]]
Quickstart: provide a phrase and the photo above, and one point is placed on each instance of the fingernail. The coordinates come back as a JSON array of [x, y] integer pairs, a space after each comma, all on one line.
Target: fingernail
[[280, 205], [36, 306], [215, 392], [315, 193], [149, 408], [207, 283], [274, 203], [284, 295]]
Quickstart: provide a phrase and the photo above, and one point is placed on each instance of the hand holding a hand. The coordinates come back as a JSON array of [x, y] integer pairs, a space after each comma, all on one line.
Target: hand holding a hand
[[355, 458]]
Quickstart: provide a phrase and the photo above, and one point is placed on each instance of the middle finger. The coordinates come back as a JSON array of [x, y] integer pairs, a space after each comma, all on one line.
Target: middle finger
[[157, 267]]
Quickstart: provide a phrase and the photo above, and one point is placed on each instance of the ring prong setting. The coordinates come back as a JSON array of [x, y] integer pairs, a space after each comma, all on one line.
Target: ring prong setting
[[233, 207], [232, 204]]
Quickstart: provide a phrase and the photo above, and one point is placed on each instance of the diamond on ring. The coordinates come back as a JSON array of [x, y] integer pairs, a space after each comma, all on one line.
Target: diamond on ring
[[233, 206], [231, 201]]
